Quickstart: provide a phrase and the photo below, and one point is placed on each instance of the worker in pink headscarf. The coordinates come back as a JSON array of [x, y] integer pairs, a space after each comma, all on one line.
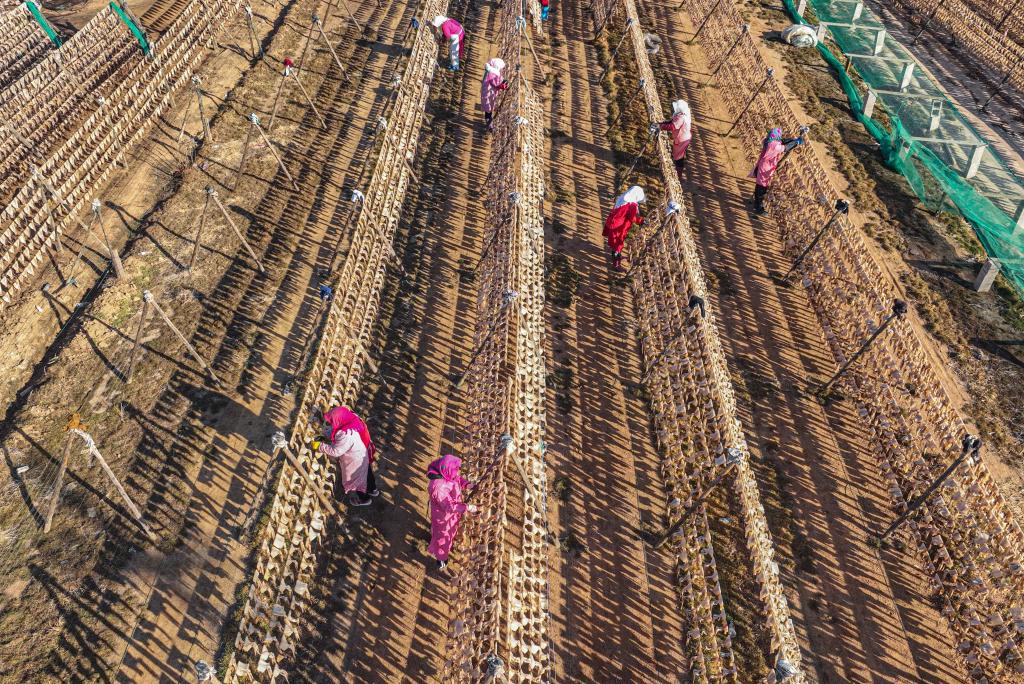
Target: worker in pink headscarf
[[624, 216], [347, 442], [446, 505], [493, 83], [454, 36], [775, 146], [680, 127]]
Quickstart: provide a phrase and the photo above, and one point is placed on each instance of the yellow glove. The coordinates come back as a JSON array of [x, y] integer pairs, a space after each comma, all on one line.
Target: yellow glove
[[315, 445]]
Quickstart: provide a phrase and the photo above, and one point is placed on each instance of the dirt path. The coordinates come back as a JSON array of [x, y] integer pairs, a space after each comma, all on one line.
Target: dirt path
[[861, 618], [385, 616], [614, 607]]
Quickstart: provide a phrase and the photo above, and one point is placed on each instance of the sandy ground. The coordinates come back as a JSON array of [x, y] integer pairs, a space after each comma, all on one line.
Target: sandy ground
[[860, 617]]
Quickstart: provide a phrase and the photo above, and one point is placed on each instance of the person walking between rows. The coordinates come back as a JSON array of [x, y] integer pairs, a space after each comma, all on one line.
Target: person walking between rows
[[624, 216], [492, 83], [680, 126], [774, 148], [447, 505], [454, 36], [347, 442]]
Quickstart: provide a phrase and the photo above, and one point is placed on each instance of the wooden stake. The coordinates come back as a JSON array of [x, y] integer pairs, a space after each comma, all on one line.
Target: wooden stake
[[305, 46], [323, 124], [202, 112], [78, 257], [138, 340], [245, 154], [199, 233], [91, 445], [280, 162], [115, 258], [328, 504], [148, 297], [277, 98], [210, 192], [327, 42], [351, 16], [254, 42], [55, 499]]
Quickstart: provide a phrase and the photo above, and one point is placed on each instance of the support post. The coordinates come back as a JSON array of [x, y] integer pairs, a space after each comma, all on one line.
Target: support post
[[767, 77], [744, 30], [327, 42], [277, 97], [987, 275], [711, 12], [879, 42], [970, 447], [869, 103], [733, 458], [281, 443], [95, 453], [199, 233], [521, 23], [254, 43], [974, 164], [858, 10], [935, 116], [510, 296], [842, 207], [148, 296], [115, 258], [138, 340], [629, 103], [245, 155], [196, 83], [615, 52], [295, 75], [210, 192], [55, 499], [906, 76], [255, 121], [651, 138], [305, 45], [899, 309]]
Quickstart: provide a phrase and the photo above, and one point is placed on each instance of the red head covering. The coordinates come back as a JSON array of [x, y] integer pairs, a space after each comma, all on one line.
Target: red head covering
[[341, 418]]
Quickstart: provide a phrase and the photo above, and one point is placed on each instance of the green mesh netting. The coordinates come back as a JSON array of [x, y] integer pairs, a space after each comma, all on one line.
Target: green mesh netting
[[922, 134]]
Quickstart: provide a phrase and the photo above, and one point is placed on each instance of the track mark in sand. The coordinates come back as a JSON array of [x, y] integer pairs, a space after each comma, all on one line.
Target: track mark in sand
[[859, 619]]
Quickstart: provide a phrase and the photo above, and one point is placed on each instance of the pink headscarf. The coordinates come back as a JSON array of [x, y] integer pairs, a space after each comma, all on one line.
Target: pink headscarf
[[341, 418], [448, 467]]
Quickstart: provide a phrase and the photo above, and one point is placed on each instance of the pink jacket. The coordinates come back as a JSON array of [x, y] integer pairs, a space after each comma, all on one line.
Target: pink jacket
[[679, 125], [452, 28], [492, 83], [446, 505], [768, 162], [348, 450]]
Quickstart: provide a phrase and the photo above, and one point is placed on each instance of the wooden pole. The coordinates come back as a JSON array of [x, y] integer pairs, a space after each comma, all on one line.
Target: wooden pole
[[184, 120], [115, 258], [202, 112], [210, 192], [277, 98], [91, 445], [351, 16], [70, 279], [323, 124], [199, 233], [55, 499], [280, 162], [328, 505], [327, 42], [305, 46], [245, 154], [138, 340], [523, 29], [254, 43], [148, 296]]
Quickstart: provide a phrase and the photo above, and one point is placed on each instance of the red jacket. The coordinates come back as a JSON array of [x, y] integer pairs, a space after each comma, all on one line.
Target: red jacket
[[618, 223]]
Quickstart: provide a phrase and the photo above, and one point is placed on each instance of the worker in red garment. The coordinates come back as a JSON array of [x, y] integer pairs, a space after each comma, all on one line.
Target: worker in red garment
[[774, 148], [680, 127], [454, 36], [624, 216]]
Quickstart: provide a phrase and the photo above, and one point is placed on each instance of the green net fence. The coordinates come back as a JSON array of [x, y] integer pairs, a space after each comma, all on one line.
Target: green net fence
[[922, 134]]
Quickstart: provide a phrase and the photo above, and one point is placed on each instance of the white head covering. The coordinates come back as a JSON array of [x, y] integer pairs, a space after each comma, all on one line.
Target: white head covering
[[681, 107], [438, 20], [495, 65], [635, 194]]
